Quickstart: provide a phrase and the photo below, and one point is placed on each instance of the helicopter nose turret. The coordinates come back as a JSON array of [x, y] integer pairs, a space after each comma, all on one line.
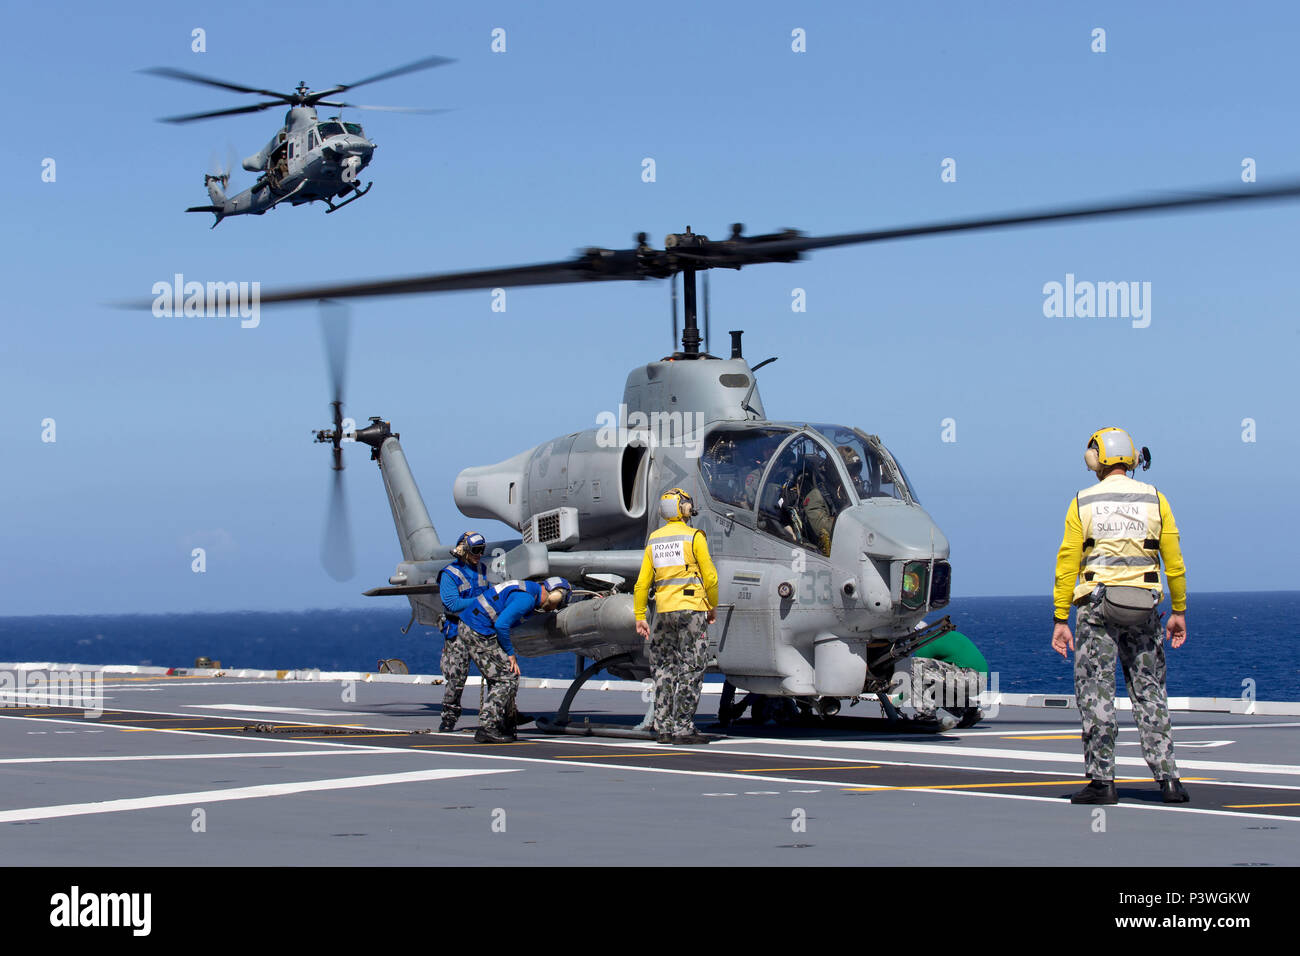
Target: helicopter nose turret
[[894, 560]]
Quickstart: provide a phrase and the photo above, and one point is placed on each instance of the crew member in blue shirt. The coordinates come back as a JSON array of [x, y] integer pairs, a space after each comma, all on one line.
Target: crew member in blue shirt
[[458, 584], [485, 628]]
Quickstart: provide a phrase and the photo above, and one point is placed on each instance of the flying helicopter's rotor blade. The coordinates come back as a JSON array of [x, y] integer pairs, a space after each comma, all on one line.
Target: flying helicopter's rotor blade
[[335, 326], [172, 74], [191, 117], [586, 268], [426, 64], [763, 249], [386, 109], [336, 546]]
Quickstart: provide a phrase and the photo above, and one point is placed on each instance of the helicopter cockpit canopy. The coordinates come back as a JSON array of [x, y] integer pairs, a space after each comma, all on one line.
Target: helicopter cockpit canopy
[[795, 482], [331, 128]]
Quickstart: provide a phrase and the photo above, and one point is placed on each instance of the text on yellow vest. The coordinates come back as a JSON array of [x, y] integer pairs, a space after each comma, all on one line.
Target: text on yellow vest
[[1120, 517], [677, 582]]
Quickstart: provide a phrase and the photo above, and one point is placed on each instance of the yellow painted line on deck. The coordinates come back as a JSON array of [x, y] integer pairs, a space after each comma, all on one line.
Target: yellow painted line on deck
[[517, 743], [1251, 806], [340, 736], [986, 786], [653, 753], [856, 766], [1043, 737]]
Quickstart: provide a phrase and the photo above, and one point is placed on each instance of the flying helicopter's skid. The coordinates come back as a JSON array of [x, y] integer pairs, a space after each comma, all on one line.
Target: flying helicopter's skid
[[357, 194]]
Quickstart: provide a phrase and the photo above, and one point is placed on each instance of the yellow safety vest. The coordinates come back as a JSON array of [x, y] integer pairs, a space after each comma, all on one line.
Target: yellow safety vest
[[678, 583], [1120, 517]]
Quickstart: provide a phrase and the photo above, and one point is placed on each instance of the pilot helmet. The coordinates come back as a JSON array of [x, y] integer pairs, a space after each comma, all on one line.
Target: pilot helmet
[[852, 460]]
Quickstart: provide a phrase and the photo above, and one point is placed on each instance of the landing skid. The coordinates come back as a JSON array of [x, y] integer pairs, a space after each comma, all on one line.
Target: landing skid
[[562, 724], [357, 194]]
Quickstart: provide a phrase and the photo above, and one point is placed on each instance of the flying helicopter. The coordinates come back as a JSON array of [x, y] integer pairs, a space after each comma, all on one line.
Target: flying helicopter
[[814, 619], [308, 159]]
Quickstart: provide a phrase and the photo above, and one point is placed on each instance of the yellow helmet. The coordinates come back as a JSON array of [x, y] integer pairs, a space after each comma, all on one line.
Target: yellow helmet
[[675, 503], [1110, 446]]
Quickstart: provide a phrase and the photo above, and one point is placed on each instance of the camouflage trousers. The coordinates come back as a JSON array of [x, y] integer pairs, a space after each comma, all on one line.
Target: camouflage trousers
[[1141, 652], [679, 655], [455, 670], [502, 682]]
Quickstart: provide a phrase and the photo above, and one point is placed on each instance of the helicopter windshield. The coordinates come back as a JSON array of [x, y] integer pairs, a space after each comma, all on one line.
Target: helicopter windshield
[[330, 129], [733, 462], [354, 129], [803, 495], [875, 471]]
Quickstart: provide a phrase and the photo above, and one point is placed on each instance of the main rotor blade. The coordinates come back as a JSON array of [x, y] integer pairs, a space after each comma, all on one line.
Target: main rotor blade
[[336, 546], [335, 325], [580, 269], [172, 74], [191, 117], [426, 64], [697, 253], [386, 109], [779, 247]]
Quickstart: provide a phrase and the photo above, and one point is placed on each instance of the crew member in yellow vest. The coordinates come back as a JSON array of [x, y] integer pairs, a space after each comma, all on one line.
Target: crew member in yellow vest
[[686, 594], [1117, 533]]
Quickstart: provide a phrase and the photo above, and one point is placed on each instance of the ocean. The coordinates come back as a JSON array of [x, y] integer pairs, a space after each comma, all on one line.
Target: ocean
[[1238, 642]]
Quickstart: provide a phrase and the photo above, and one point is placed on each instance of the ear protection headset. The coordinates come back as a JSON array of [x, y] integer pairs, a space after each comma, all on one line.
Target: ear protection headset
[[676, 504]]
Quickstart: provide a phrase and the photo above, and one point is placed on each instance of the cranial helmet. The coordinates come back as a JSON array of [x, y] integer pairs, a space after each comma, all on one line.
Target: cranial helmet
[[471, 542], [676, 504], [562, 586], [1110, 446]]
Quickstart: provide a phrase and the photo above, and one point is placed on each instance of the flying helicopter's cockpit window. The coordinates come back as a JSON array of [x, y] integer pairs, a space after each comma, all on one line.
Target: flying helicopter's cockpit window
[[873, 468], [803, 495], [330, 129], [354, 129], [733, 462]]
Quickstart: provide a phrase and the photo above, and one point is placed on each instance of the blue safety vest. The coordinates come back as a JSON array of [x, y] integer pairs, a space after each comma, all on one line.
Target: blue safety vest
[[469, 582]]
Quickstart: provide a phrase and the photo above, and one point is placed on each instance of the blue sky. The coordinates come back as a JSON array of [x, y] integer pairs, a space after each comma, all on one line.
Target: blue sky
[[176, 433]]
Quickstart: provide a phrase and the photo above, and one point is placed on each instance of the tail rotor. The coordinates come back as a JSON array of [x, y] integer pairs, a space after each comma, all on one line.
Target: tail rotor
[[336, 545]]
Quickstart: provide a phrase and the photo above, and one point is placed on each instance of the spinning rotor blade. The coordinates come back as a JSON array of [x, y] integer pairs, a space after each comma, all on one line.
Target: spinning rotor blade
[[335, 325], [336, 546], [425, 64], [386, 109], [698, 253], [191, 117], [172, 74], [580, 269]]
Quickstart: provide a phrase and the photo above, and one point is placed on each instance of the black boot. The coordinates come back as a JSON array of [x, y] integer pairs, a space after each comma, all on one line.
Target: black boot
[[663, 738], [1098, 791], [689, 739], [1173, 791], [448, 723], [485, 736]]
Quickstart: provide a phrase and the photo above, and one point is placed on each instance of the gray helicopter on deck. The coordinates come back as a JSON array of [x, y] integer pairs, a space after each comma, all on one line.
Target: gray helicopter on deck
[[309, 159], [808, 614]]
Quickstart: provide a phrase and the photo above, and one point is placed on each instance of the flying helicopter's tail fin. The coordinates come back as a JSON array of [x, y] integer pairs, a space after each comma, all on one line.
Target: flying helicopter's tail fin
[[216, 210]]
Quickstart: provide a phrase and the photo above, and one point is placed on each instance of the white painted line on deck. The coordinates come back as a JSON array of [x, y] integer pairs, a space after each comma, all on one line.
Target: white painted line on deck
[[226, 756], [235, 793], [256, 709], [1046, 756]]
